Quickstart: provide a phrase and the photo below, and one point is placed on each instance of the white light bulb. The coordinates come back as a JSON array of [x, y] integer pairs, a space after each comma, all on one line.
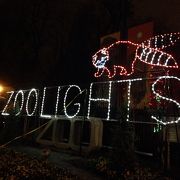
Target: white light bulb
[[20, 92], [76, 104], [36, 102]]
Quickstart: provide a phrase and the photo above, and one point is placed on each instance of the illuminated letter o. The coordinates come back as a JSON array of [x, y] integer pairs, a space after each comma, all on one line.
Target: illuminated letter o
[[22, 101], [27, 102]]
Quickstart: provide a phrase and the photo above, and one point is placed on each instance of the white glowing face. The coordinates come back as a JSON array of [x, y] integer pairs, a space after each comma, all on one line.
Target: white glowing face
[[101, 63], [100, 59]]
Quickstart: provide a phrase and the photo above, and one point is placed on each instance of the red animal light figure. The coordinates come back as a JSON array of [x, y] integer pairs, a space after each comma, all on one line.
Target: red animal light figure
[[149, 52]]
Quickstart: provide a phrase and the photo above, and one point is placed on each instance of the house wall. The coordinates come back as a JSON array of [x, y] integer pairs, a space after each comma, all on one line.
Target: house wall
[[166, 14]]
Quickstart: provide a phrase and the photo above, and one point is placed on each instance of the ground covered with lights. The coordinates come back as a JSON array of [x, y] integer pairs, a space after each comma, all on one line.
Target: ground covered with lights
[[25, 162], [15, 165], [119, 161]]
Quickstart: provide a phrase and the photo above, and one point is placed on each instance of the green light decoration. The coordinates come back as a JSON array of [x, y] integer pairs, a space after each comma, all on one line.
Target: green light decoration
[[157, 128]]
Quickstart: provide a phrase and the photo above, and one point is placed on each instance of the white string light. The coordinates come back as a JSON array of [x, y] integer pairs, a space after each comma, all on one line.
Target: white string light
[[91, 99], [128, 80], [143, 51], [108, 100], [109, 96], [57, 101], [164, 60], [152, 59], [4, 113], [36, 102], [165, 98], [147, 54], [128, 93], [42, 106], [89, 102], [129, 100], [76, 104], [22, 101], [163, 41]]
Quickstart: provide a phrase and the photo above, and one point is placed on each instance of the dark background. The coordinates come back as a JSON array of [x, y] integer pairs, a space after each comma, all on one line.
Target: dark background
[[48, 43]]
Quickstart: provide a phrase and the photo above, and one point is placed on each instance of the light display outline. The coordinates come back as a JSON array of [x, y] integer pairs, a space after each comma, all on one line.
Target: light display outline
[[152, 49], [149, 49], [22, 101], [95, 99], [36, 102]]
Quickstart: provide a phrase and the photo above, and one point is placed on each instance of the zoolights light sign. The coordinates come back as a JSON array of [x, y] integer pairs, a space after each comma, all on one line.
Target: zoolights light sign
[[149, 52]]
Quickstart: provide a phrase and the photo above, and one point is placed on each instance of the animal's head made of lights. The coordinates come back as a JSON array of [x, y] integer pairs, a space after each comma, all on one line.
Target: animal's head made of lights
[[150, 52]]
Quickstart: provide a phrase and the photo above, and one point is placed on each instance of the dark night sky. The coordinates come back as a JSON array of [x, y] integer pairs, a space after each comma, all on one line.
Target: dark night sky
[[50, 43]]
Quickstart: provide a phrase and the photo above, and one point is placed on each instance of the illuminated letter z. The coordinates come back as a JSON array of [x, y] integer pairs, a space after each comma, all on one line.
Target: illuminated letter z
[[10, 97]]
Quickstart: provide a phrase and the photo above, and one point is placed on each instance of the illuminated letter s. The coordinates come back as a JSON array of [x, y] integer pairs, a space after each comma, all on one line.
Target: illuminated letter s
[[165, 98]]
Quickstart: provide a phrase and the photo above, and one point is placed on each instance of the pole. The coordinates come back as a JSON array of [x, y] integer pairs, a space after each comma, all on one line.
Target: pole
[[123, 47], [84, 118]]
